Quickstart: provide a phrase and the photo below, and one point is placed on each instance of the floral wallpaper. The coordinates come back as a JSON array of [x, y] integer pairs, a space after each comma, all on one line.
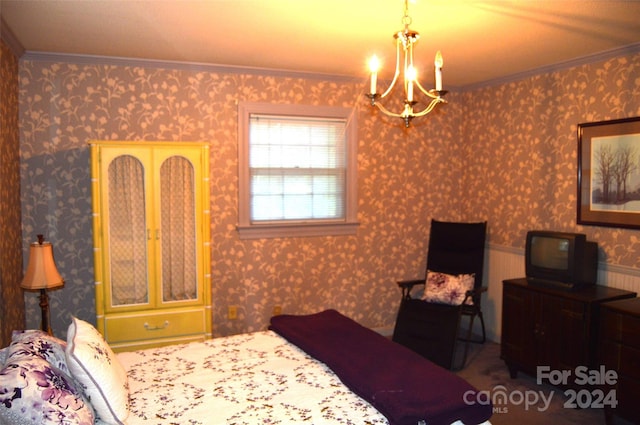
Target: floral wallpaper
[[506, 154], [522, 157], [64, 105], [11, 305]]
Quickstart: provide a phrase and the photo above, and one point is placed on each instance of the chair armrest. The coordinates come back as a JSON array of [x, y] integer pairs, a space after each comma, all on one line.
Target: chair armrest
[[410, 283], [407, 286], [479, 290], [475, 294]]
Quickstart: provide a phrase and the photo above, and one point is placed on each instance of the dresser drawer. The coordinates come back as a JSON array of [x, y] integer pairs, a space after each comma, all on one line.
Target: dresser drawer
[[609, 354], [630, 362], [155, 325], [611, 325], [630, 331], [628, 395]]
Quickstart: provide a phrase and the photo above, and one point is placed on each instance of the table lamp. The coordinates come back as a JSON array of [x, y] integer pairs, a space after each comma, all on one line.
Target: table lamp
[[42, 274]]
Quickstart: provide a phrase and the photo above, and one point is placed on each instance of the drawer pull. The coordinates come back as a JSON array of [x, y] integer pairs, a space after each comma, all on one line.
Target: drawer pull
[[156, 328]]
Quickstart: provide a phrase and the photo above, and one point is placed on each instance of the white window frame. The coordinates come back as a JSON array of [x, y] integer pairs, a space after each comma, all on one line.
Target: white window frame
[[299, 228]]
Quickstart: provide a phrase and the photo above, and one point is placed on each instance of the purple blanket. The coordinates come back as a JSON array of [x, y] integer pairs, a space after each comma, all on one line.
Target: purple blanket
[[400, 384]]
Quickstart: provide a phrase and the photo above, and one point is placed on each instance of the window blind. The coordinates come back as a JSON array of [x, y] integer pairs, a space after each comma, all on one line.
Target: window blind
[[297, 168]]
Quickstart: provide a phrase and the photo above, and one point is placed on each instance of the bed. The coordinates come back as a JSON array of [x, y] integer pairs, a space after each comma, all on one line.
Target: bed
[[322, 368]]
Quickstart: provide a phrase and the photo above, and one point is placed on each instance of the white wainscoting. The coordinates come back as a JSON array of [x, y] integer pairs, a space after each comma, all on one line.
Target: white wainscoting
[[506, 263]]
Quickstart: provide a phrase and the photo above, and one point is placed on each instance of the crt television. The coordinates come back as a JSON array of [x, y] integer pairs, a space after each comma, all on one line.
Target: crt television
[[567, 259]]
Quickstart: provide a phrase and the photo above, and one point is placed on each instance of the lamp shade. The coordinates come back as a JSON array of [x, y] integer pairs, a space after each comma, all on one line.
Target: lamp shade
[[42, 272]]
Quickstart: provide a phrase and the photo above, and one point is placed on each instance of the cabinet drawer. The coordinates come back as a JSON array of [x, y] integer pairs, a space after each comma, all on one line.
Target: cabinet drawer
[[154, 325], [628, 395], [611, 325], [630, 362], [609, 354], [630, 332]]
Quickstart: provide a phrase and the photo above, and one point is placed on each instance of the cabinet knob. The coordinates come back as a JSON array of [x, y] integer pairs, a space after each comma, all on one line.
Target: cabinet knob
[[156, 328]]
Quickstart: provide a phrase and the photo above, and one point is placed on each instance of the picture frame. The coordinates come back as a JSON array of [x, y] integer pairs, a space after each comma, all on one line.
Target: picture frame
[[609, 173]]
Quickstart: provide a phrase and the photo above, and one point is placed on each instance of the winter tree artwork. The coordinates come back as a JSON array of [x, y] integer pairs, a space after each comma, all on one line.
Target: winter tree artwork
[[609, 173]]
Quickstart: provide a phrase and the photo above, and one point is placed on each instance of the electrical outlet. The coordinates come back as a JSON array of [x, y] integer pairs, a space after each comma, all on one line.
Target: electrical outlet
[[232, 314], [277, 310]]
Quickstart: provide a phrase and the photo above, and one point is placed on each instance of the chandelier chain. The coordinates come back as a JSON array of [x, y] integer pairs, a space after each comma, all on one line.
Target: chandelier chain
[[406, 19]]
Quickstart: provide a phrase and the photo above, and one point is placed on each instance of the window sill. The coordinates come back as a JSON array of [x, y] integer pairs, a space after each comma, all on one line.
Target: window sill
[[265, 231]]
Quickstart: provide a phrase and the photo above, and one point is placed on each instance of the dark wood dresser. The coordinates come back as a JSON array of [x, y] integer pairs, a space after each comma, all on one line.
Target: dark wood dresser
[[551, 326], [619, 350]]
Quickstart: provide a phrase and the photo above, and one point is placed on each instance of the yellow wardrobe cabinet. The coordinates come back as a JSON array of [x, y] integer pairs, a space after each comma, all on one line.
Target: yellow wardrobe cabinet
[[151, 242]]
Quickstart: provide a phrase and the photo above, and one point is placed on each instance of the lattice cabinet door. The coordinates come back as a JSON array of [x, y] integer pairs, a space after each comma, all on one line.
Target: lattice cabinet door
[[151, 237]]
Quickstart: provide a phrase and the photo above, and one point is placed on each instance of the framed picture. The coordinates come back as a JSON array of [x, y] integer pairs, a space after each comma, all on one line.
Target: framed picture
[[609, 173]]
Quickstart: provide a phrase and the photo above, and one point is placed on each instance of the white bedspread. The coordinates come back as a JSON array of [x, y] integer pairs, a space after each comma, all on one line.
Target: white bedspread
[[248, 379]]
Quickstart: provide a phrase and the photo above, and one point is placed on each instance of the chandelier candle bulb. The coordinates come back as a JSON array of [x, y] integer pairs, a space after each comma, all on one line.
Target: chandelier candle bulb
[[438, 63], [374, 65], [411, 77]]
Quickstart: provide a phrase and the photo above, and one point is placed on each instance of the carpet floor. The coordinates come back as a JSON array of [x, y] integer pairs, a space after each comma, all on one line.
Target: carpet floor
[[487, 372]]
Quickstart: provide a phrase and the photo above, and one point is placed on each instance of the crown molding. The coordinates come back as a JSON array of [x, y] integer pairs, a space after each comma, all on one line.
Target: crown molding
[[583, 60], [233, 69], [177, 65]]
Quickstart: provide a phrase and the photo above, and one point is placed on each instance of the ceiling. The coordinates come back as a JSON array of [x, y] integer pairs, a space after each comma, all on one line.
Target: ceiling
[[480, 40]]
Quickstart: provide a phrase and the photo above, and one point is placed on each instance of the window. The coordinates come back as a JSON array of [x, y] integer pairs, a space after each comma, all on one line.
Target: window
[[297, 170]]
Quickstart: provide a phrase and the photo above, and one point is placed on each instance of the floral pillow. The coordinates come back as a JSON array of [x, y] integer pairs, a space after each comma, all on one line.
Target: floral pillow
[[448, 289], [96, 367], [35, 391], [38, 343]]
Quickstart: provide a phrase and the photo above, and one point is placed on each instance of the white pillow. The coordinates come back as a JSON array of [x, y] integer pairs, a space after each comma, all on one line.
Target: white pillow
[[93, 364]]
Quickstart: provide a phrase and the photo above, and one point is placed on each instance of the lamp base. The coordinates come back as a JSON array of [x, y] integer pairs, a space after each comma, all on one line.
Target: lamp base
[[44, 306]]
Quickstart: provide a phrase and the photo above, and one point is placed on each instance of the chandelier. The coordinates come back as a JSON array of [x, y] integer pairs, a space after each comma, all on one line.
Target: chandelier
[[405, 39]]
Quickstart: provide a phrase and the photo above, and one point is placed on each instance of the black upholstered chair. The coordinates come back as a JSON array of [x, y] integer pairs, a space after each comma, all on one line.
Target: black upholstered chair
[[432, 327]]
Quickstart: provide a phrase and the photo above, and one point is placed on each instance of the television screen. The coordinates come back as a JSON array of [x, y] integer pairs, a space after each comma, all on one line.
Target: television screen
[[550, 253], [566, 258]]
